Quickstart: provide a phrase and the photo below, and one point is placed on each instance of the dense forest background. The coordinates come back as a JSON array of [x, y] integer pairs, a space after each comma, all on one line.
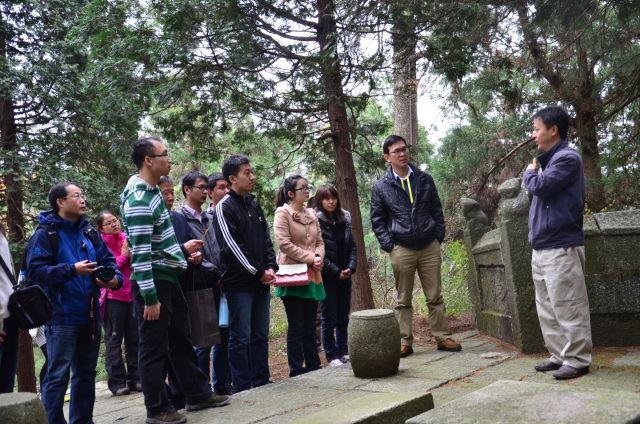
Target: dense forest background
[[312, 87]]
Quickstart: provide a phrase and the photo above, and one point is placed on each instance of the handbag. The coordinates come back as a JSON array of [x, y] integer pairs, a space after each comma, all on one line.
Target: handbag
[[292, 275], [28, 304], [203, 316]]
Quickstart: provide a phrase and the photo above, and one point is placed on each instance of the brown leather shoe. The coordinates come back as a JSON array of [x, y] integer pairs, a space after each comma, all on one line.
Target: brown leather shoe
[[405, 351], [449, 345]]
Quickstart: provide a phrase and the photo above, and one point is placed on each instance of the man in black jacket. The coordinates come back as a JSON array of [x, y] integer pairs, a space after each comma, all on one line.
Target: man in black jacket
[[407, 219], [248, 261]]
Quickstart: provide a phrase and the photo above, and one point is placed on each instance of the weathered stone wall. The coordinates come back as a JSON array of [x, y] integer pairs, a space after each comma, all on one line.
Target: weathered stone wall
[[501, 287]]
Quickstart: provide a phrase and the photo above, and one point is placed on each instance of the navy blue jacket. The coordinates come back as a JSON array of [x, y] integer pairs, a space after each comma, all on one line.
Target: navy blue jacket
[[70, 294], [205, 275], [555, 217]]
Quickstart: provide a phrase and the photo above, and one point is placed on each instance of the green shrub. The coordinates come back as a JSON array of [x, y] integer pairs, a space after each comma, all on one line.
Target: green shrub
[[454, 281]]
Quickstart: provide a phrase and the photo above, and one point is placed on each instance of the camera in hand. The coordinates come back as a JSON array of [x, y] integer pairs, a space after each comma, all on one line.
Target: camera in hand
[[104, 274]]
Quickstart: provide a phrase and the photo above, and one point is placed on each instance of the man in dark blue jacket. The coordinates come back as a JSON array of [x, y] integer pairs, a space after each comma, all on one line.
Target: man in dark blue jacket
[[407, 219], [64, 269], [556, 181]]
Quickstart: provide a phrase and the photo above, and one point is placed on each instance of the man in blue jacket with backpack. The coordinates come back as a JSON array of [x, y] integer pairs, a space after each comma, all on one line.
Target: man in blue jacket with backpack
[[69, 260], [556, 181]]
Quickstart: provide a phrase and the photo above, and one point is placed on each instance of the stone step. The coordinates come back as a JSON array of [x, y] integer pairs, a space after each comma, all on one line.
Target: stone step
[[507, 401]]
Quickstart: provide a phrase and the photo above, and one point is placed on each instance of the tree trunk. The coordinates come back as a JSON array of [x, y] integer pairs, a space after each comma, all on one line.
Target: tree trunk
[[586, 130], [15, 218], [346, 184], [405, 83]]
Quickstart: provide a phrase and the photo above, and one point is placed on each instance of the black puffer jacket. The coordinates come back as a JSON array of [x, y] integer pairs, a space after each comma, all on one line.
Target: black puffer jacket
[[396, 221], [337, 258]]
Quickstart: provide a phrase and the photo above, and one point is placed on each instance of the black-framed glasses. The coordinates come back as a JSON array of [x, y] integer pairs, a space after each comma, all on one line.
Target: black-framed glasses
[[110, 223], [399, 151], [305, 188], [76, 196], [201, 187]]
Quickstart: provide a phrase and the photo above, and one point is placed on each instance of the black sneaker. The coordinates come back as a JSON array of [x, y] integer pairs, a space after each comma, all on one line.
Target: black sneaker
[[213, 401], [167, 417], [567, 372], [547, 366], [122, 391]]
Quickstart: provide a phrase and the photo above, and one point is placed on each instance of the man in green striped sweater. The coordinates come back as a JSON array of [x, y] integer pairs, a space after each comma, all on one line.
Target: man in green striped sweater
[[157, 261]]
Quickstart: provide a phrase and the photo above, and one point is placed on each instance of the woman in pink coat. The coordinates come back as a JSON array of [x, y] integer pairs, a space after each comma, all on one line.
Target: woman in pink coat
[[116, 307]]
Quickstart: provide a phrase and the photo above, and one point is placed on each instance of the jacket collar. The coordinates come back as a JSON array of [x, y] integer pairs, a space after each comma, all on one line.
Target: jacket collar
[[545, 157], [390, 176], [247, 198], [305, 217]]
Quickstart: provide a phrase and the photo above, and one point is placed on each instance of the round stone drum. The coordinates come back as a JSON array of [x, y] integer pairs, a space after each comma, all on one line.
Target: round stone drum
[[374, 343]]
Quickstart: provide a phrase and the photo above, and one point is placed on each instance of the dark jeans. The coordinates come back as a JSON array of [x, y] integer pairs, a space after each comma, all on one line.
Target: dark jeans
[[120, 323], [9, 356], [249, 338], [335, 318], [43, 370], [302, 351], [165, 337], [203, 359], [71, 348], [221, 378]]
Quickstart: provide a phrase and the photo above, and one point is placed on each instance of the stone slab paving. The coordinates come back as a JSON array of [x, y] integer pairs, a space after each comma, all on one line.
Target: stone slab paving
[[334, 395], [520, 402]]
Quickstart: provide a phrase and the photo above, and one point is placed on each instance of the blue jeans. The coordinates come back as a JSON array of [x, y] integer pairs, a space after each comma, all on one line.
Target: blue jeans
[[335, 318], [71, 348], [221, 376], [249, 338], [9, 356], [203, 360]]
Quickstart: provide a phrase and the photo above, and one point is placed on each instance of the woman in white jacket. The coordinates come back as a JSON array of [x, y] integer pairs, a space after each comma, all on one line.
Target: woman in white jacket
[[8, 328]]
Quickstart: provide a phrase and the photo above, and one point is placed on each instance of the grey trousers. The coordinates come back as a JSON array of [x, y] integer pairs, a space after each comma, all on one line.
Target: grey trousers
[[563, 305]]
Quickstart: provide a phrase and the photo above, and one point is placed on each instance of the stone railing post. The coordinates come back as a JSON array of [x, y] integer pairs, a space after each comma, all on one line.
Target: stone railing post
[[513, 212]]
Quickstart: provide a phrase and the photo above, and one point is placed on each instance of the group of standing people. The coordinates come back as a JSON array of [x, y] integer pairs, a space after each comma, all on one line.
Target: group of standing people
[[225, 246]]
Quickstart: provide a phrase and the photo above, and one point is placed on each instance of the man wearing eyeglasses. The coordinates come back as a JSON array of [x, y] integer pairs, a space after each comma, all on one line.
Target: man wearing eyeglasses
[[203, 270], [64, 253], [407, 218], [157, 261]]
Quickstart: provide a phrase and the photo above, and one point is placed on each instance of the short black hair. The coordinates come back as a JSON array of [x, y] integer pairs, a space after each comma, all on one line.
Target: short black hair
[[214, 178], [190, 179], [392, 139], [141, 149], [554, 115], [165, 179], [58, 191], [232, 164]]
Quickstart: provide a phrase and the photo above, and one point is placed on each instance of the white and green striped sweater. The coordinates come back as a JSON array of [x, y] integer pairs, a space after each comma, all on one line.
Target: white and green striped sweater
[[155, 252]]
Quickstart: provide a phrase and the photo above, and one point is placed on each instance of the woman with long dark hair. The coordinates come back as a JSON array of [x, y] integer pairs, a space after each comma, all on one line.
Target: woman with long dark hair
[[339, 265], [300, 241], [117, 310]]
